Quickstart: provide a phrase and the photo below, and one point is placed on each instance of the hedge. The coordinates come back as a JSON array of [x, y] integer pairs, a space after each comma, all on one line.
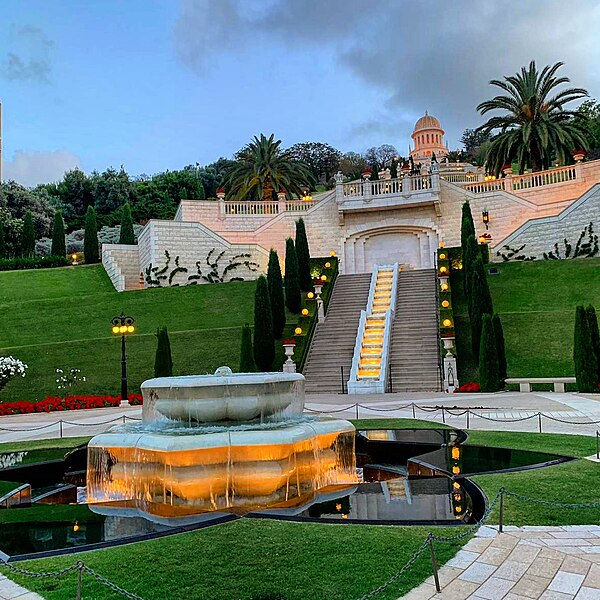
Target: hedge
[[37, 262]]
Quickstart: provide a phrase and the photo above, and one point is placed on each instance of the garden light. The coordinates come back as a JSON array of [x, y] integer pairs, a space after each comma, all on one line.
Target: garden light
[[323, 277], [115, 330], [447, 323], [332, 253], [444, 287], [443, 270], [123, 325], [445, 303], [441, 244], [455, 452], [298, 331], [310, 295], [304, 311], [485, 217], [327, 265], [442, 256]]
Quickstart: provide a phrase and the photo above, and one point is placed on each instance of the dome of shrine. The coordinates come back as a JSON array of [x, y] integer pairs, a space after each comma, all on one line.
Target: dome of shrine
[[427, 122]]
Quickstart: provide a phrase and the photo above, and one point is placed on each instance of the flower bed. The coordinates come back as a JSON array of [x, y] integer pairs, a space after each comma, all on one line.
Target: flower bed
[[56, 403], [468, 387]]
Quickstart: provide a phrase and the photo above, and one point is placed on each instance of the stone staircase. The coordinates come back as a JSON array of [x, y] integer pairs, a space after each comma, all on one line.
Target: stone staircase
[[333, 343], [121, 262], [414, 346]]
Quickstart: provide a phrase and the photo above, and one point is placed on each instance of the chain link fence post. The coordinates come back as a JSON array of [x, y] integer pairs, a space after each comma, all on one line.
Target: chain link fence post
[[501, 510], [79, 579], [434, 564], [468, 418], [356, 410], [413, 409], [540, 421], [60, 428]]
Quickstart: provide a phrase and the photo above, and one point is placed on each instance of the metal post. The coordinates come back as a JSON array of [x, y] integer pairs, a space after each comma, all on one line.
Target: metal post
[[443, 415], [79, 579], [60, 424], [434, 565], [413, 407], [123, 419], [598, 444], [468, 418], [501, 516], [124, 394], [356, 405], [342, 378], [540, 421]]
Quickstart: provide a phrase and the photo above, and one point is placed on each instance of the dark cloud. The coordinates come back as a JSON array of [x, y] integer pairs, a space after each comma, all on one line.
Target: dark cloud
[[29, 55], [419, 55]]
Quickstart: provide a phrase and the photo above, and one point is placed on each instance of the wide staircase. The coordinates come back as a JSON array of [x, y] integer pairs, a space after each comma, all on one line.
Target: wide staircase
[[414, 347], [333, 343]]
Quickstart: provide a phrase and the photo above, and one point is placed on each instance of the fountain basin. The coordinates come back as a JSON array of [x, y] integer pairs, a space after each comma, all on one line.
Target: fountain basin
[[224, 396]]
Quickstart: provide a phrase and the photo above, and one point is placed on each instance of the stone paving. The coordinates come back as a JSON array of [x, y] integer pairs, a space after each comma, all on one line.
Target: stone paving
[[523, 563], [9, 590]]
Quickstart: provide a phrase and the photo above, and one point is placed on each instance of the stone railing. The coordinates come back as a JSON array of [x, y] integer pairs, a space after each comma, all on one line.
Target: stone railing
[[483, 187], [382, 187], [462, 177], [228, 207]]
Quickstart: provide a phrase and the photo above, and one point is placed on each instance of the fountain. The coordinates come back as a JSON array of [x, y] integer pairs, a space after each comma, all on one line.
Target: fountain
[[233, 442]]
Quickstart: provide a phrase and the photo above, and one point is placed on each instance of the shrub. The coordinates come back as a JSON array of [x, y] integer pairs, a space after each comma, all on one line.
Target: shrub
[[595, 335], [68, 380], [41, 262], [56, 403], [90, 240], [10, 367], [489, 374], [472, 386], [275, 283], [163, 362], [480, 303], [59, 246], [293, 296], [247, 364], [500, 347], [2, 241], [584, 357], [264, 342], [303, 255], [28, 236], [126, 235]]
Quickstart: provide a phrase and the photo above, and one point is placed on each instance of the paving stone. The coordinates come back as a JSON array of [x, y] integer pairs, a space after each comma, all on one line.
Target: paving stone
[[486, 532], [9, 590], [588, 593], [572, 564], [494, 589], [593, 577], [512, 570], [494, 556], [511, 596], [478, 572], [566, 583], [531, 586], [463, 559], [446, 574], [552, 553], [457, 590], [545, 567], [478, 544], [505, 541], [523, 552], [423, 592], [550, 595]]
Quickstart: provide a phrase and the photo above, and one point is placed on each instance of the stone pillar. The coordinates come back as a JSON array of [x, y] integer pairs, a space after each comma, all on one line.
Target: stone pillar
[[320, 307], [289, 366], [435, 177], [339, 187], [367, 190], [450, 373]]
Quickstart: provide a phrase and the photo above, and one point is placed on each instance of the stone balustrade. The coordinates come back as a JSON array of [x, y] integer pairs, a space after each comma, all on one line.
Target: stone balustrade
[[262, 208]]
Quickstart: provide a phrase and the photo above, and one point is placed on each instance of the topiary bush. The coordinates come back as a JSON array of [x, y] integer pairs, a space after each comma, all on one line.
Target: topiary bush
[[276, 296], [264, 341], [247, 364], [489, 373], [293, 295], [163, 361], [584, 357]]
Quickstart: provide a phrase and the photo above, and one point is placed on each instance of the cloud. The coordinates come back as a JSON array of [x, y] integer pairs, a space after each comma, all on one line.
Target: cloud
[[32, 168], [29, 55]]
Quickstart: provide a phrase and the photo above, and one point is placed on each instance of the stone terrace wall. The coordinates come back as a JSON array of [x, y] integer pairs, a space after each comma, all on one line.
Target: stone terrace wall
[[122, 265], [540, 235]]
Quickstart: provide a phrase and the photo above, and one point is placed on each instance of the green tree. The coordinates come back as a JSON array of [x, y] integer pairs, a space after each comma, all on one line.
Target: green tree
[[535, 128], [90, 237], [394, 168], [28, 236], [480, 302], [586, 363], [2, 241], [247, 364], [322, 159], [163, 362], [595, 336], [303, 254], [262, 167], [489, 373], [467, 227], [111, 190], [500, 347], [264, 341], [59, 246], [126, 235], [293, 296], [276, 297]]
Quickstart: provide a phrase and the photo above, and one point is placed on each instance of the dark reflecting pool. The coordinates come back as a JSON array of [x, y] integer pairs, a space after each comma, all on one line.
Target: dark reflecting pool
[[406, 476]]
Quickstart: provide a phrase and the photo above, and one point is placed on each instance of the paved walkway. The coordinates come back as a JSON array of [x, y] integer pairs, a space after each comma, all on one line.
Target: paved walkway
[[524, 563], [9, 590]]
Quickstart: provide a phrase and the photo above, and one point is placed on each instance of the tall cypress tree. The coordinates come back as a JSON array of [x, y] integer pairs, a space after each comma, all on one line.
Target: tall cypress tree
[[481, 302], [264, 342], [247, 364], [28, 236], [293, 296], [275, 283], [90, 239], [489, 377], [2, 241], [595, 336], [374, 173], [469, 254], [500, 348], [59, 245], [126, 235], [586, 364], [394, 169], [467, 225], [303, 254], [163, 362]]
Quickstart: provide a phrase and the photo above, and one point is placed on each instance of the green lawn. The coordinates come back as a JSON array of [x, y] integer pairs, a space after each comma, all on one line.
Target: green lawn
[[536, 302], [41, 450], [6, 487], [61, 318]]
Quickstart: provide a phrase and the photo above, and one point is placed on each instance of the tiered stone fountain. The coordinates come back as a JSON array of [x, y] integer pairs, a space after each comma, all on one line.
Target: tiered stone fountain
[[223, 442]]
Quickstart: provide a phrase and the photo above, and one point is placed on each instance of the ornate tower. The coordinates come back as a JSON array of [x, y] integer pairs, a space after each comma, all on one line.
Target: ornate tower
[[428, 137]]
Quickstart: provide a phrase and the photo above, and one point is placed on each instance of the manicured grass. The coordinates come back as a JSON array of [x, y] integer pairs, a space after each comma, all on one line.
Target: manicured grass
[[251, 558], [5, 488], [536, 302], [61, 318], [42, 450], [397, 424]]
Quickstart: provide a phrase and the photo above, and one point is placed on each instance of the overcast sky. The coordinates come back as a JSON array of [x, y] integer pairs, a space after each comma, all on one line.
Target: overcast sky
[[159, 84]]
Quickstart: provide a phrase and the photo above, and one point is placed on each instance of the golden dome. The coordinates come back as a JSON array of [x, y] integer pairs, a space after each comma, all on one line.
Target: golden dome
[[427, 122]]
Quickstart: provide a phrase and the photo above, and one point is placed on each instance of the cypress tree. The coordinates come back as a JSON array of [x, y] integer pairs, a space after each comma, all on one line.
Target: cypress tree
[[489, 377], [90, 239], [586, 364], [264, 342], [467, 226], [374, 173], [470, 253], [201, 192], [247, 364], [481, 303], [303, 254], [28, 236], [595, 336], [59, 246], [394, 169], [163, 362], [2, 241], [126, 235], [500, 348], [293, 296], [275, 283]]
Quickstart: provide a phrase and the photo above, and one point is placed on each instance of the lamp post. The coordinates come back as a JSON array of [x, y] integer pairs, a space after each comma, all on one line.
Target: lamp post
[[123, 325]]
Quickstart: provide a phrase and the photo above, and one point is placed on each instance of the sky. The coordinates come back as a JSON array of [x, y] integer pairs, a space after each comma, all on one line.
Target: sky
[[160, 84]]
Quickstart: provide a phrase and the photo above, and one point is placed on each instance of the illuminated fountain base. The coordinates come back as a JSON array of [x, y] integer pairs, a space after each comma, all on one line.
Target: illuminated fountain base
[[181, 460]]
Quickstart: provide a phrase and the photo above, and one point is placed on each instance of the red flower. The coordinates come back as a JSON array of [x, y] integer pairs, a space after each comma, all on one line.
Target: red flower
[[55, 403], [289, 342], [468, 387]]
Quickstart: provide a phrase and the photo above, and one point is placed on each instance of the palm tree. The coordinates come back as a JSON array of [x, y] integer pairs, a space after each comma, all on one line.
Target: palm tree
[[262, 168], [536, 128]]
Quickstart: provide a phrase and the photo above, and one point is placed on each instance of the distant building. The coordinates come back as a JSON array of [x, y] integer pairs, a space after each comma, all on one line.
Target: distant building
[[428, 137]]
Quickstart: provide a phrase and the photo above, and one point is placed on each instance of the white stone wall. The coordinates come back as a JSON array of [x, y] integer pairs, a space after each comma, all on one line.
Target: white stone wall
[[121, 262]]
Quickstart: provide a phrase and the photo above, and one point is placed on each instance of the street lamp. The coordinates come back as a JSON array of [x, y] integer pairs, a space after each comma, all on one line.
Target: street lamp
[[123, 325]]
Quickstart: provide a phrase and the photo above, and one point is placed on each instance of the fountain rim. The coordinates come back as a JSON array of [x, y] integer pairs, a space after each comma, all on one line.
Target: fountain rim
[[212, 380]]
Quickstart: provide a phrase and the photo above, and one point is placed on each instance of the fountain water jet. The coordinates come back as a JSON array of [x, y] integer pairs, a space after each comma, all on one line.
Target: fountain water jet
[[235, 442]]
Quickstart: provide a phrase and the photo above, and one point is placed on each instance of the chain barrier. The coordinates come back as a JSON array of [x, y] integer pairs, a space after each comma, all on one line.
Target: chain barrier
[[81, 568], [553, 504]]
